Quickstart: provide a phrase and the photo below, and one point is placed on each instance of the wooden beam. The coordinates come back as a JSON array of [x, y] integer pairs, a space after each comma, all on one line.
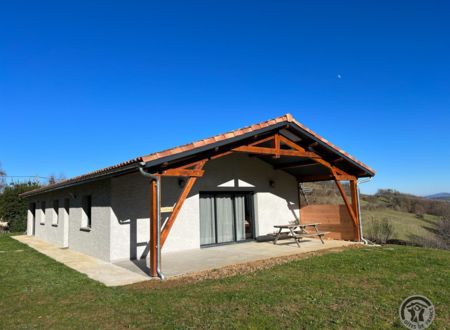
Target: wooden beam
[[153, 229], [184, 194], [316, 157], [294, 165], [221, 155], [183, 172], [277, 146], [273, 152], [267, 139], [355, 204], [349, 208], [314, 178]]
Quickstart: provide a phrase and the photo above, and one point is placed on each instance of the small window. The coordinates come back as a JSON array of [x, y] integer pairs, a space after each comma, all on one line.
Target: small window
[[86, 221], [55, 214], [43, 207]]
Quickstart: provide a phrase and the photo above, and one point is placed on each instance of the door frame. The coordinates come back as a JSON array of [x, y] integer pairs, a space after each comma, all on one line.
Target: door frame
[[249, 193]]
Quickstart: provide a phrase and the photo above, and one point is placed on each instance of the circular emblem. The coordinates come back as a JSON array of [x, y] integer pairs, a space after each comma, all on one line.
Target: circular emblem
[[416, 312]]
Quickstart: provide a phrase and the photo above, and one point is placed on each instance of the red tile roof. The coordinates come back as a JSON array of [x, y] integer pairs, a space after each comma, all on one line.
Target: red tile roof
[[192, 146]]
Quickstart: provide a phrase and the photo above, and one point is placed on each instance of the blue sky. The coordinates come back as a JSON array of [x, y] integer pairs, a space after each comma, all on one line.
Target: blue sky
[[87, 85]]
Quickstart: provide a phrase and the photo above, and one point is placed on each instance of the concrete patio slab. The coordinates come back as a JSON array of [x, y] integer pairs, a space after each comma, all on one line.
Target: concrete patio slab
[[194, 261], [96, 269]]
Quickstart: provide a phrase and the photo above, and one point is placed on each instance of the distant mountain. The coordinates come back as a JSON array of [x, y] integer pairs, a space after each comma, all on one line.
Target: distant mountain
[[440, 196]]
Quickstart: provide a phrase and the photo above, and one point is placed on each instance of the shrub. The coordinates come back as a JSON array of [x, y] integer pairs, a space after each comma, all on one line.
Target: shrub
[[443, 232], [380, 231], [13, 209]]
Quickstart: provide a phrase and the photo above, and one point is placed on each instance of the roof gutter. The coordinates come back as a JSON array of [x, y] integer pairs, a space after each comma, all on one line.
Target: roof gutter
[[365, 241], [158, 217]]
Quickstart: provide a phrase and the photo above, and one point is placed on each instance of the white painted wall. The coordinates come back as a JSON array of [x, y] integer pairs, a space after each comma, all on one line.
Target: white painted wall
[[45, 228], [130, 209], [30, 221], [96, 242]]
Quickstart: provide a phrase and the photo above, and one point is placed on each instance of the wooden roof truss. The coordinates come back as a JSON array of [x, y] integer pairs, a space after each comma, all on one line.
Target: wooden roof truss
[[275, 145]]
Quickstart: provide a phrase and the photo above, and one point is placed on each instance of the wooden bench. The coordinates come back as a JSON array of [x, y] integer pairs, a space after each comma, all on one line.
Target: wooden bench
[[298, 231]]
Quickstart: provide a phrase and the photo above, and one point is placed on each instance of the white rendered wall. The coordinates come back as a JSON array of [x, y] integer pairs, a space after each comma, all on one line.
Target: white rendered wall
[[47, 230], [30, 220], [94, 242]]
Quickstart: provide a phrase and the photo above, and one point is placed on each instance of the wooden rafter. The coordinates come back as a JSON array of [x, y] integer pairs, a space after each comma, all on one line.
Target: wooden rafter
[[295, 165], [261, 141], [315, 156], [274, 152], [184, 194], [325, 177], [183, 172]]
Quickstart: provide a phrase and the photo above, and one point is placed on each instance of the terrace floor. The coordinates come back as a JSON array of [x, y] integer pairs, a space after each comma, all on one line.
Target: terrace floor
[[176, 264], [96, 269], [200, 260]]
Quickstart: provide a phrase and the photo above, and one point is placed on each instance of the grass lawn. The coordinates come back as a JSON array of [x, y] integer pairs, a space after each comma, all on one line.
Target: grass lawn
[[406, 225], [357, 288]]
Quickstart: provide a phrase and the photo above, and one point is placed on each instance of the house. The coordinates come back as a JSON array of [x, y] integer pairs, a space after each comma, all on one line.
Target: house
[[228, 188]]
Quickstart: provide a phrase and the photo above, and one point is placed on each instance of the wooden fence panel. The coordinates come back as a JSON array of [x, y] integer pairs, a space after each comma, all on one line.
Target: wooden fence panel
[[332, 218]]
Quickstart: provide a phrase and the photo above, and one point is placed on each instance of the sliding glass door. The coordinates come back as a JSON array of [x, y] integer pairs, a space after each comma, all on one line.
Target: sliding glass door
[[225, 217]]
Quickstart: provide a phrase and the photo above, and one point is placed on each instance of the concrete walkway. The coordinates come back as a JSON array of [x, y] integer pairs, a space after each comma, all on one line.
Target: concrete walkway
[[199, 260], [96, 269]]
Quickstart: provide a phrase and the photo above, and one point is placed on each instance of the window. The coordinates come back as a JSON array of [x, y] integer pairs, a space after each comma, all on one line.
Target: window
[[43, 213], [55, 215], [86, 220]]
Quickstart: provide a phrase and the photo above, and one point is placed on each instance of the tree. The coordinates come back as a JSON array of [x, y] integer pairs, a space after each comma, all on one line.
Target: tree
[[2, 179], [52, 179], [13, 209]]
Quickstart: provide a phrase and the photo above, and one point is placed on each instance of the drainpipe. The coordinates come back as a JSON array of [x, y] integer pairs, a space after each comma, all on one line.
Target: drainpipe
[[366, 242], [158, 217]]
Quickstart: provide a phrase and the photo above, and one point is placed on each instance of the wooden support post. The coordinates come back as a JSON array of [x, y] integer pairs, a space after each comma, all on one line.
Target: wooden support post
[[349, 208], [355, 204], [153, 229], [187, 188], [299, 202], [277, 146]]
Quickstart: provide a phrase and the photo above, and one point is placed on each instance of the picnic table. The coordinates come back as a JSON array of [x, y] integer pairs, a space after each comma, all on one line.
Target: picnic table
[[297, 231]]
